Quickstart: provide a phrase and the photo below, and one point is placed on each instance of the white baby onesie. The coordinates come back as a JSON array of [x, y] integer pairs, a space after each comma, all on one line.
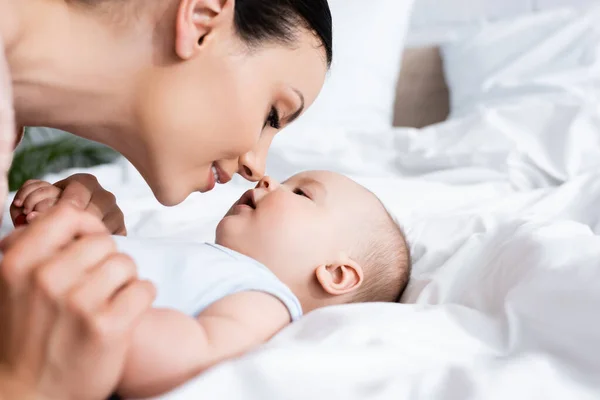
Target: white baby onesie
[[191, 276]]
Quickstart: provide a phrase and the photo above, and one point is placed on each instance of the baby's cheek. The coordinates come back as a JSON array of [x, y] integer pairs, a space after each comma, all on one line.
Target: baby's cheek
[[299, 231], [285, 217], [277, 226]]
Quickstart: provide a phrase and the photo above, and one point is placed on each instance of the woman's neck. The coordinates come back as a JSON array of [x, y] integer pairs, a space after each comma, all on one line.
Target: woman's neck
[[68, 70]]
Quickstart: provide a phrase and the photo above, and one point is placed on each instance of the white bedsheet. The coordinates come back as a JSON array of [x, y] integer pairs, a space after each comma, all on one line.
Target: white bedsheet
[[502, 210], [504, 299]]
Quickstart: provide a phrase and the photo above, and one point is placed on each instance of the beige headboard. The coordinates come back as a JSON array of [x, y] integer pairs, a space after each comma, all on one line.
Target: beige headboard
[[422, 96]]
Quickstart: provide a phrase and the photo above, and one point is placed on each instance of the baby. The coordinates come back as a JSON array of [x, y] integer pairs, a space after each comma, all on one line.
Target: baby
[[282, 250]]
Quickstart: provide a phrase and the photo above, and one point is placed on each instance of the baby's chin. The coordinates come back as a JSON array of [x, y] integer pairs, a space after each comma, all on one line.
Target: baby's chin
[[227, 231], [221, 232]]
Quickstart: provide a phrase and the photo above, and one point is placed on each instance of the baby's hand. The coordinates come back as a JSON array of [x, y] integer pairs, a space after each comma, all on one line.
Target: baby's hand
[[81, 190], [34, 197]]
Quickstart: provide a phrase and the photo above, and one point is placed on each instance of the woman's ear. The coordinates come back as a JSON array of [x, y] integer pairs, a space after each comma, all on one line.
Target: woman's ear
[[196, 19], [340, 278]]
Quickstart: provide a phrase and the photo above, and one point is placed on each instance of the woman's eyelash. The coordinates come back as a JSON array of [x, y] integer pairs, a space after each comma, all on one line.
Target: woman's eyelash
[[273, 119]]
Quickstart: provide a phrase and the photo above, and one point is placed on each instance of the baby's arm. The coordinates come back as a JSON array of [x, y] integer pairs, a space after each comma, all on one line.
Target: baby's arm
[[169, 348]]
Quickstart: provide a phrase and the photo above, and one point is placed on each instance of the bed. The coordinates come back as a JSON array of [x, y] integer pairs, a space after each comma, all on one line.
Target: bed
[[493, 170]]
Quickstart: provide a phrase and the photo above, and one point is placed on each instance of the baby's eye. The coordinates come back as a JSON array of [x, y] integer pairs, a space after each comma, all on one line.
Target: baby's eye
[[300, 192]]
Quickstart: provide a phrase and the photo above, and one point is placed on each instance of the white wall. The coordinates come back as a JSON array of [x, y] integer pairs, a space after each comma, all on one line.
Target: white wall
[[428, 12], [436, 21]]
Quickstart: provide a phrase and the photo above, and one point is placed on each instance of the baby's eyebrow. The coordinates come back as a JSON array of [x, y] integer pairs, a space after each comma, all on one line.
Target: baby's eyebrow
[[319, 185]]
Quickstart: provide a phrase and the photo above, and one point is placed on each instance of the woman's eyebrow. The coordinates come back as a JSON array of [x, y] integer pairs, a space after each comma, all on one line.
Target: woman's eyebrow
[[296, 113]]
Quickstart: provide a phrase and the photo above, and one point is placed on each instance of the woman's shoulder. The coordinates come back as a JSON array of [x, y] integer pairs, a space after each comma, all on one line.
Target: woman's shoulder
[[7, 114]]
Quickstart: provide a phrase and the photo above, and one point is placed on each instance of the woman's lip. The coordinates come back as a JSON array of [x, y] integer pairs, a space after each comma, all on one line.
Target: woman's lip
[[211, 181], [223, 176]]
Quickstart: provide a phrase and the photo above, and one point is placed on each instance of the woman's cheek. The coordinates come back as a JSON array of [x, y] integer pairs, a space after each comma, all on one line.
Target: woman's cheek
[[242, 130]]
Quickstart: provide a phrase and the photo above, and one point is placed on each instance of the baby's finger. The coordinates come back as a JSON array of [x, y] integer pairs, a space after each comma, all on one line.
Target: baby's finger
[[31, 216], [39, 195], [25, 190]]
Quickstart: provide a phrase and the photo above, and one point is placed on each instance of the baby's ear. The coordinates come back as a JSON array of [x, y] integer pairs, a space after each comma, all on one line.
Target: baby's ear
[[341, 277]]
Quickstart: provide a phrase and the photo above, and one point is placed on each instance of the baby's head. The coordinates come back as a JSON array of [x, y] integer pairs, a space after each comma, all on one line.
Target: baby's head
[[325, 236]]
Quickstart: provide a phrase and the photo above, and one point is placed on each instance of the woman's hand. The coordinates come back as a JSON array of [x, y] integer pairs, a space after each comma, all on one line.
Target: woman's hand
[[7, 126], [83, 191], [68, 305]]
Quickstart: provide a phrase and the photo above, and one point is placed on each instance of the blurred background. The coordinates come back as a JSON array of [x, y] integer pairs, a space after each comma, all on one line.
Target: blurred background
[[438, 21]]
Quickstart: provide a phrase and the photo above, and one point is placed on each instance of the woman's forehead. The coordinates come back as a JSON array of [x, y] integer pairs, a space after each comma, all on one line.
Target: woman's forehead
[[301, 66]]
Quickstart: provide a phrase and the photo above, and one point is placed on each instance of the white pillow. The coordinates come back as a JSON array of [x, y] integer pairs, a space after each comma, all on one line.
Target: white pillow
[[554, 54], [360, 89]]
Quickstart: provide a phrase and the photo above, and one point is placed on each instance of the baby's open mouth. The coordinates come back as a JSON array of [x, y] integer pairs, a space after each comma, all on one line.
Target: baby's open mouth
[[247, 199]]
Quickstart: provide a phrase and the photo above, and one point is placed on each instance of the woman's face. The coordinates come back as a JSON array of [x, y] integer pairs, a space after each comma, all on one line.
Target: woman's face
[[215, 114]]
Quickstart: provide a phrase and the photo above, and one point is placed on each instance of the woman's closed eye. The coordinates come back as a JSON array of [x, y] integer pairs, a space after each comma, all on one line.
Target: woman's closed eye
[[273, 119]]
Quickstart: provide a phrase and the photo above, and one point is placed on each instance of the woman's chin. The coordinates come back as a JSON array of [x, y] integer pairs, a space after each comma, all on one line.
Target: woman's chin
[[169, 198], [171, 192]]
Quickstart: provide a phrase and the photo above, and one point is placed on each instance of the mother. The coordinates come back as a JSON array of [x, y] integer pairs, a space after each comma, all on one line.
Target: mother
[[190, 91], [182, 88]]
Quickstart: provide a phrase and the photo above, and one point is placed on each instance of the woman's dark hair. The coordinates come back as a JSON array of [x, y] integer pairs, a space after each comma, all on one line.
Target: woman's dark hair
[[257, 21]]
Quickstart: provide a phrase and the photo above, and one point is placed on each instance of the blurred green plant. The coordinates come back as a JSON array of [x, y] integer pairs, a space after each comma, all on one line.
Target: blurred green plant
[[34, 159]]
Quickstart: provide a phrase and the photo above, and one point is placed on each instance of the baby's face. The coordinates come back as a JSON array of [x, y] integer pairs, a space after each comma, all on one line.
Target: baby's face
[[295, 226]]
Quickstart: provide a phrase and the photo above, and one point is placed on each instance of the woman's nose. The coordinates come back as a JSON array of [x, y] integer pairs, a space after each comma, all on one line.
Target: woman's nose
[[251, 167]]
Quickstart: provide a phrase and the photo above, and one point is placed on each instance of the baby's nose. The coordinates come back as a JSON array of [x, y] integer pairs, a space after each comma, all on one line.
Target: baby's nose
[[267, 183]]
